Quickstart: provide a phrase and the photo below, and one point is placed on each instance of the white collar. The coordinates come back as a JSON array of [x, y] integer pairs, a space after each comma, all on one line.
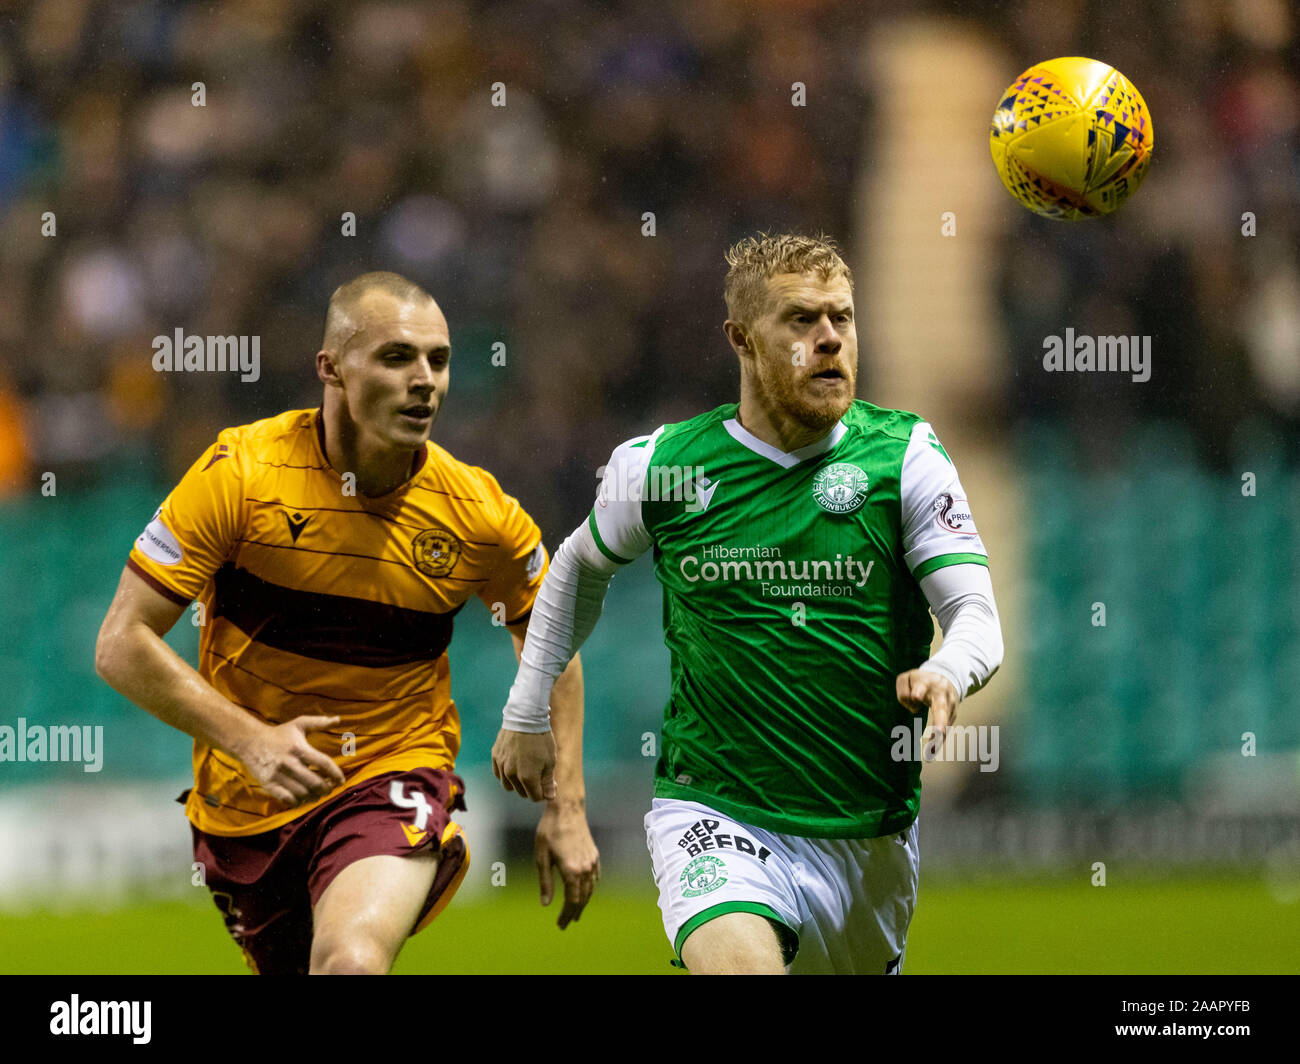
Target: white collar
[[785, 459]]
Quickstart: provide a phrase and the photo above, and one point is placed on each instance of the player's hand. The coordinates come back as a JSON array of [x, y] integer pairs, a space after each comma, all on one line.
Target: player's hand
[[918, 689], [524, 762], [564, 843], [288, 767]]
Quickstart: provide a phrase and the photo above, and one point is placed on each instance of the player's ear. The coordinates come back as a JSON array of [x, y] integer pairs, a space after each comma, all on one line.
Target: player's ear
[[327, 369], [738, 336]]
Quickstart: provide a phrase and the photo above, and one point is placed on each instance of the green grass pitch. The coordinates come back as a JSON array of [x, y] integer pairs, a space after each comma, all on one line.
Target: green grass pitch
[[1204, 924]]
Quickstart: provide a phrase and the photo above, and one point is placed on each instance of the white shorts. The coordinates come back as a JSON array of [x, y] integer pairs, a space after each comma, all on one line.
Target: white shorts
[[841, 906]]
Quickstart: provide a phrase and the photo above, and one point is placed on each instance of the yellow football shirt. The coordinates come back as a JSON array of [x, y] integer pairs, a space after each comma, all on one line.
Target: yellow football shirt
[[320, 602]]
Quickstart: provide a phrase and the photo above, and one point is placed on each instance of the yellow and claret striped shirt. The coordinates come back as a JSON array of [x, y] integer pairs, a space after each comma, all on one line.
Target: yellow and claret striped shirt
[[320, 602]]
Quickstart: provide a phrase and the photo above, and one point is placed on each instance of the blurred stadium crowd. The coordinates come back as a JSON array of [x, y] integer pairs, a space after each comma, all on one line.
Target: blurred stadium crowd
[[526, 221]]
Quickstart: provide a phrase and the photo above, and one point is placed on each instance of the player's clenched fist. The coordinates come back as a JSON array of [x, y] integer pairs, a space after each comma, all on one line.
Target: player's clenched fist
[[917, 689], [524, 762], [288, 767]]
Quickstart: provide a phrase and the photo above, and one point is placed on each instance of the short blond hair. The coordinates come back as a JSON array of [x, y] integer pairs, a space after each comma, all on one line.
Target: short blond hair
[[757, 259]]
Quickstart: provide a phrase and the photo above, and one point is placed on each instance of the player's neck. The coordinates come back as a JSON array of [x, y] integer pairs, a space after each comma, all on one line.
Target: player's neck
[[777, 428], [378, 470]]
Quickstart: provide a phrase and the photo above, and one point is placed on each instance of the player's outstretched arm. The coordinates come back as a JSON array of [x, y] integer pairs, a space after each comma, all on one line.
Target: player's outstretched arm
[[132, 658], [566, 610], [564, 614]]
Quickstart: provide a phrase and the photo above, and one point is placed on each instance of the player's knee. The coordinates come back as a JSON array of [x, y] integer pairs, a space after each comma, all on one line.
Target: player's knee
[[349, 956], [734, 944]]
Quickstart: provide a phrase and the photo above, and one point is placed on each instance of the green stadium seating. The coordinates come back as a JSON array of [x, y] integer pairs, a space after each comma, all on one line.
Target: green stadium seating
[[1202, 596]]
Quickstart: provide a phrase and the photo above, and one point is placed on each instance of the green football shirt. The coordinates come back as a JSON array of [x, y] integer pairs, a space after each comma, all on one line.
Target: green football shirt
[[791, 604]]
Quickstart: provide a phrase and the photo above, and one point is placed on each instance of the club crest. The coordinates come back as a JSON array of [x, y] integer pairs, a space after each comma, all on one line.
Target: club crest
[[840, 488]]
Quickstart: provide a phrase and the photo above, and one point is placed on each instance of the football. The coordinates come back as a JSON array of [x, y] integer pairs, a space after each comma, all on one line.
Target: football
[[1072, 138]]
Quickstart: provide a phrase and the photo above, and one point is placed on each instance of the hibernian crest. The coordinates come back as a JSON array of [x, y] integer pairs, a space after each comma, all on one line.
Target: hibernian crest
[[840, 488], [703, 875]]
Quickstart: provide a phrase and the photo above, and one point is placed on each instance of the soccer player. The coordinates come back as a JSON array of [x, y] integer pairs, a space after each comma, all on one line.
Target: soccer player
[[331, 550], [799, 536]]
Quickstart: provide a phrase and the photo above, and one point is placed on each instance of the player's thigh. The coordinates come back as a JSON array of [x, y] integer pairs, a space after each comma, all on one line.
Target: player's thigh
[[367, 911], [710, 868], [735, 943], [861, 894]]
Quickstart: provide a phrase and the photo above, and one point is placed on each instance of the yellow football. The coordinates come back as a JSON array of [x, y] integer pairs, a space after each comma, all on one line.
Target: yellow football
[[1072, 138]]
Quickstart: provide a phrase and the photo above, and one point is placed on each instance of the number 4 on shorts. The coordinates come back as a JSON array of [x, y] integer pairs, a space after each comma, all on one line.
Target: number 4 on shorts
[[416, 801]]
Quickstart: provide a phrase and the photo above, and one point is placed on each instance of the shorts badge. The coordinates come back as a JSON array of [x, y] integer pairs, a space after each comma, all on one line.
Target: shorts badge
[[703, 875]]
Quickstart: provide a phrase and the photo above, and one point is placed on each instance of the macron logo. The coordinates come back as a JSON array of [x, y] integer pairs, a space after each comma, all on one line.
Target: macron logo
[[102, 1017], [704, 489]]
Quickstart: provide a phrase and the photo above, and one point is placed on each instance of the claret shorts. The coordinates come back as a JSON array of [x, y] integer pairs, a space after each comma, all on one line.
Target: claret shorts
[[266, 885]]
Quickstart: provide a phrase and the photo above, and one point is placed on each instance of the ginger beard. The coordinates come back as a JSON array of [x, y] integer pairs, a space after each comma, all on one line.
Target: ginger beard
[[785, 385]]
